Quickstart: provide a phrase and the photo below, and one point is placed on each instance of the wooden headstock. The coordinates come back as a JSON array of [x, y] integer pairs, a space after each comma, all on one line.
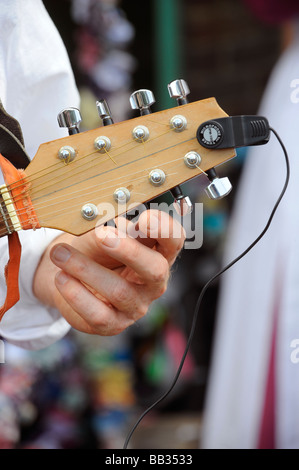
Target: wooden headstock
[[69, 178]]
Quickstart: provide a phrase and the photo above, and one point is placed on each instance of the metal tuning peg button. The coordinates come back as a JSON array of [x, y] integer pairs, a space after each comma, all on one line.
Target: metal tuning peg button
[[104, 112], [178, 89], [142, 100], [70, 118], [182, 204], [219, 187]]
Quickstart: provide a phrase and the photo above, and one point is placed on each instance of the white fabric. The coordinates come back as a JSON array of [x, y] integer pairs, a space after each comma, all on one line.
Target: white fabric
[[268, 276], [36, 82]]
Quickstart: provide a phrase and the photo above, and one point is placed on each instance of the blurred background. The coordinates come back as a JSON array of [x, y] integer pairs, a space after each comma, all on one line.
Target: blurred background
[[86, 391]]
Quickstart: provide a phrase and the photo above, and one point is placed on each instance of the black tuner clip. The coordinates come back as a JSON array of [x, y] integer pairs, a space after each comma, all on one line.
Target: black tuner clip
[[233, 132]]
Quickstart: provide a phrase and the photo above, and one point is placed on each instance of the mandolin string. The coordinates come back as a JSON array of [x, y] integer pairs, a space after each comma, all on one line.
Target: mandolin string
[[75, 206], [78, 193], [87, 168], [204, 172], [43, 220], [112, 159], [96, 153], [96, 159], [162, 123], [96, 186], [57, 164], [17, 198], [13, 186], [104, 197]]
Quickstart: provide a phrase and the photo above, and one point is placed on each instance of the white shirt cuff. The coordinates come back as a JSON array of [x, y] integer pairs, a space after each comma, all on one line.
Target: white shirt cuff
[[29, 324]]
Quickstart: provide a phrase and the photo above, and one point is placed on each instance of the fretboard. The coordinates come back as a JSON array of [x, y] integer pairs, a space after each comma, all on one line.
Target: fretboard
[[8, 218]]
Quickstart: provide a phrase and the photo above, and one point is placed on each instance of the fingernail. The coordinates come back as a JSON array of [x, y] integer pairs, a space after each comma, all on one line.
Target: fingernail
[[133, 230], [153, 223], [62, 278], [61, 254], [111, 240]]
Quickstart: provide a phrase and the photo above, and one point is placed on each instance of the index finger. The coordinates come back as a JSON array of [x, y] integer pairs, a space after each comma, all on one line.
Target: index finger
[[166, 231]]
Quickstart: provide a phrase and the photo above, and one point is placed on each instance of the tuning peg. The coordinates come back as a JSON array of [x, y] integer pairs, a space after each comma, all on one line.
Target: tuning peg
[[178, 89], [70, 118], [104, 112], [182, 204], [142, 100], [219, 187]]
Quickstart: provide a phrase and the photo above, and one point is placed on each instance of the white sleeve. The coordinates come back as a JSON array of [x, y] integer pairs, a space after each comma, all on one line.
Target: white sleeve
[[29, 324], [36, 82]]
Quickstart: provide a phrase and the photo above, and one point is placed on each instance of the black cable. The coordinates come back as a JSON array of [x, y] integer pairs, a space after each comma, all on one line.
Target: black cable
[[207, 285]]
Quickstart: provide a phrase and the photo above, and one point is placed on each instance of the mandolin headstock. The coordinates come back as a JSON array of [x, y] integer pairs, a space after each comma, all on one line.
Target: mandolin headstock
[[88, 178]]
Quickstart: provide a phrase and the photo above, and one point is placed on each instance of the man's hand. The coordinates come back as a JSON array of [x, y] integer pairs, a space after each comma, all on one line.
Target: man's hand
[[104, 281]]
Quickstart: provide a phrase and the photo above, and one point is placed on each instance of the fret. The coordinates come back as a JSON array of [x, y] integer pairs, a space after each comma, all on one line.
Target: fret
[[5, 223], [9, 221]]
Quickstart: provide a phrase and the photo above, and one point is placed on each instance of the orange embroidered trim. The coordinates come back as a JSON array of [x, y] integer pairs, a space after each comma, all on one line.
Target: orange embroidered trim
[[12, 273], [18, 188], [17, 196]]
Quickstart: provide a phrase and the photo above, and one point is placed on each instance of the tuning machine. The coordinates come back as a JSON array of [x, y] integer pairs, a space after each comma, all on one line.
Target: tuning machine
[[142, 100], [178, 90], [70, 118], [182, 204], [104, 112], [218, 187]]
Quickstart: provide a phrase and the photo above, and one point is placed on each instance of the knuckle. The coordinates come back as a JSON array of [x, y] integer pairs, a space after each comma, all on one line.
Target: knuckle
[[163, 289], [101, 325], [104, 326], [119, 294], [178, 236], [141, 311], [78, 266], [161, 272], [133, 250], [100, 321], [183, 239], [159, 292], [73, 294], [180, 242]]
